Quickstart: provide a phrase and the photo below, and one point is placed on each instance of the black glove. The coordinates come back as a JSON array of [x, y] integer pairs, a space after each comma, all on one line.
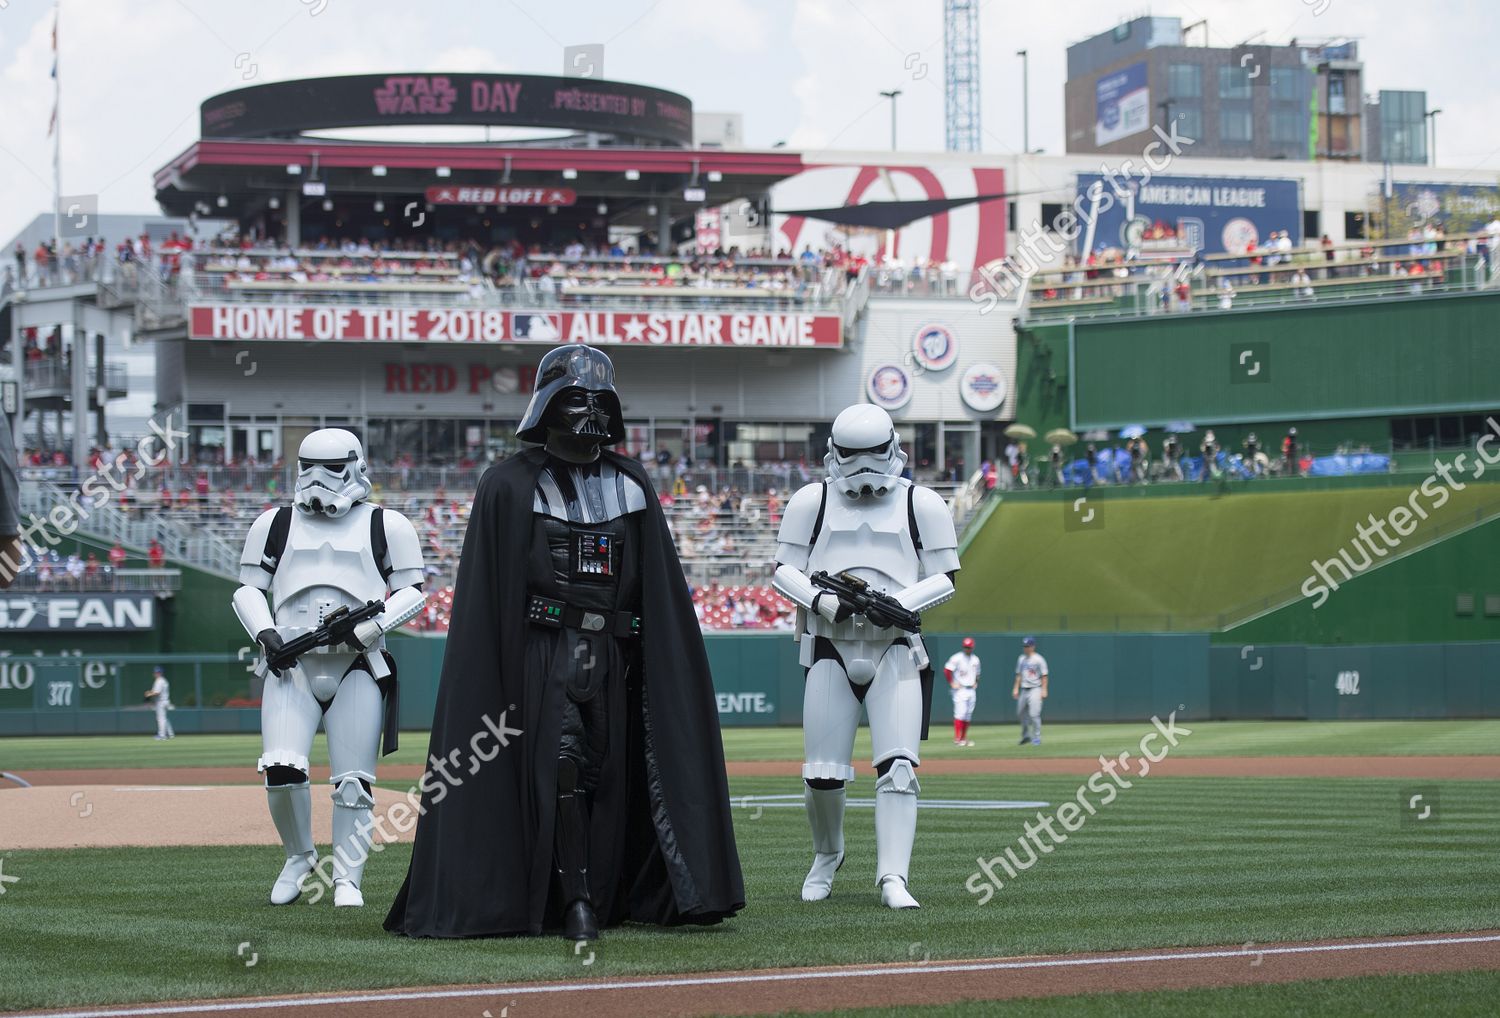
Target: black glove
[[270, 644]]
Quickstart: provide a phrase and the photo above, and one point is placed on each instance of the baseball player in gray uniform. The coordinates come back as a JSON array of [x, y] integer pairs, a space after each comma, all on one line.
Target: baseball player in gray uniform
[[1029, 691]]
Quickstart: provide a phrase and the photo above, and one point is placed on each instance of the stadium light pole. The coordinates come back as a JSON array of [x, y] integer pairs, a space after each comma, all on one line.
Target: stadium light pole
[[891, 95], [1432, 127], [1025, 101]]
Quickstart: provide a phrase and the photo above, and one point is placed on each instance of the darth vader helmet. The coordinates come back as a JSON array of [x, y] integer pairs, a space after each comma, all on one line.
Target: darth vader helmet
[[575, 392]]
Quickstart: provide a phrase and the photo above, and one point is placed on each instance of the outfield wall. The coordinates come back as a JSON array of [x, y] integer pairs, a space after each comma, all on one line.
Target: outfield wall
[[1095, 677], [1299, 363]]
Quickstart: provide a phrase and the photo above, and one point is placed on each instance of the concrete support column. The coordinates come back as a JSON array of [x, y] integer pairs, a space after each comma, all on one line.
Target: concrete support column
[[101, 393], [293, 202], [80, 394], [664, 226], [18, 366]]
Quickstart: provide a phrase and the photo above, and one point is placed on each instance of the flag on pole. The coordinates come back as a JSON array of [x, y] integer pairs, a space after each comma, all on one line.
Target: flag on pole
[[52, 124]]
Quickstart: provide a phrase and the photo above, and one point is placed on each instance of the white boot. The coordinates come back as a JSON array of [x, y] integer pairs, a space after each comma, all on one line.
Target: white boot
[[895, 830], [291, 811], [351, 841], [825, 813], [288, 886]]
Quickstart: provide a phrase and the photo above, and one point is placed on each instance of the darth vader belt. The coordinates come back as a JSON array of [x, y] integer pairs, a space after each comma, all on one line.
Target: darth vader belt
[[553, 614]]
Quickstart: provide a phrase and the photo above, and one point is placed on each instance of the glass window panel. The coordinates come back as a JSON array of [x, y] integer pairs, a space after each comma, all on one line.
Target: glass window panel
[[1185, 80], [1235, 124], [1234, 82]]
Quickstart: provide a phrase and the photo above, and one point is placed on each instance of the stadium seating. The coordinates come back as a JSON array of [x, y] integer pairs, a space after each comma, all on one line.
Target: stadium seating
[[246, 272], [721, 550], [1115, 281], [580, 279]]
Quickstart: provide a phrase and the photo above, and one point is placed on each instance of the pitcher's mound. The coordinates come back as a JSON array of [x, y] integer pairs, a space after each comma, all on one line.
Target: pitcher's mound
[[106, 816]]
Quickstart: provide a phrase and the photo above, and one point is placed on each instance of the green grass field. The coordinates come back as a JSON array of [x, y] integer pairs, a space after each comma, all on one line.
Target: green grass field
[[1212, 738], [1146, 557], [1171, 862]]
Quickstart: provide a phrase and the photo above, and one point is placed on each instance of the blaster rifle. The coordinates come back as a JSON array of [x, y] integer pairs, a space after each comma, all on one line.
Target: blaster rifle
[[879, 607], [338, 627]]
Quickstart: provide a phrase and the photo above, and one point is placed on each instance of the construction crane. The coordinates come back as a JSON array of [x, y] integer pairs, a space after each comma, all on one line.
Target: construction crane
[[961, 75]]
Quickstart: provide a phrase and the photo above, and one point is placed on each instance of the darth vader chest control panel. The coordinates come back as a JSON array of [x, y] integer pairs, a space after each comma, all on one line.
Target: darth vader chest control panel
[[595, 556]]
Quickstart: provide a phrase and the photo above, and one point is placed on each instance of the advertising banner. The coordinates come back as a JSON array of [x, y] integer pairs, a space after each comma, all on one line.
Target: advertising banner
[[1122, 104], [473, 325], [74, 612], [284, 108], [528, 196], [1215, 215], [1459, 208]]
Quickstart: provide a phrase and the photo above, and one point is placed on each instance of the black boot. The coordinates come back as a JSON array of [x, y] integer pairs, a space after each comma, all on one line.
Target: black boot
[[579, 922], [570, 856]]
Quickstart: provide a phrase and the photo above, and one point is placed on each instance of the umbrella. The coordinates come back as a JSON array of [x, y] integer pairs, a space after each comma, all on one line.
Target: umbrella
[[1132, 431], [1180, 427], [1020, 431], [1061, 436]]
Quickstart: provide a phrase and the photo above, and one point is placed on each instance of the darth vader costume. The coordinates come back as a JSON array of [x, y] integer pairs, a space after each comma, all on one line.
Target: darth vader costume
[[572, 622]]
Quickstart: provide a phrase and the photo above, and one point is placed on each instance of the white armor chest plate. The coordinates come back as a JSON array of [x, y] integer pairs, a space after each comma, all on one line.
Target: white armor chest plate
[[869, 537], [327, 563]]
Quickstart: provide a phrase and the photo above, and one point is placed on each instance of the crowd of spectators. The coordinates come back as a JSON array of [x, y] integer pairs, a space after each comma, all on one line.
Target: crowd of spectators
[[1172, 281], [582, 269], [743, 607], [398, 262], [1129, 460], [93, 258], [51, 572]]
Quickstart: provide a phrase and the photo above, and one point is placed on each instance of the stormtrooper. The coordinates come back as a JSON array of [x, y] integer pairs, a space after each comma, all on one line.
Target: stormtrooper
[[870, 523], [331, 549]]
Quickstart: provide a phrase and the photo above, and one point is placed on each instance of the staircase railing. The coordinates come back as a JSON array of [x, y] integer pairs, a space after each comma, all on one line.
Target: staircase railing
[[181, 543]]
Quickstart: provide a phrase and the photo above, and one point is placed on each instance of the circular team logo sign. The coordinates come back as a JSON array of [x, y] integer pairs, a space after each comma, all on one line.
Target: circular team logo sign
[[935, 347], [889, 387], [982, 388], [1239, 233]]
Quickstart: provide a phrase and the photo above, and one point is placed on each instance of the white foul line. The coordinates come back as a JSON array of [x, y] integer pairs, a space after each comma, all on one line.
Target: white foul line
[[501, 989], [797, 801]]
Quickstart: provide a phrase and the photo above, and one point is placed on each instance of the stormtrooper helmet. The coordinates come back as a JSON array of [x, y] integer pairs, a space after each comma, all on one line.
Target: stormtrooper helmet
[[331, 473], [864, 453]]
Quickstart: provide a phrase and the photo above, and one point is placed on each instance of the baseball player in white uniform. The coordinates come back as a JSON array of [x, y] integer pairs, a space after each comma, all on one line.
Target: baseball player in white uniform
[[867, 521], [1030, 690], [331, 549], [962, 673], [160, 695]]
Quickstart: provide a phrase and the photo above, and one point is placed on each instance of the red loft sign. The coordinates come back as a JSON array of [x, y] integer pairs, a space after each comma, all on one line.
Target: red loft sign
[[501, 195]]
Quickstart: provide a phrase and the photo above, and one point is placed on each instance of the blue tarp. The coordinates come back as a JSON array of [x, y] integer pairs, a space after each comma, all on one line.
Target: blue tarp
[[1357, 463]]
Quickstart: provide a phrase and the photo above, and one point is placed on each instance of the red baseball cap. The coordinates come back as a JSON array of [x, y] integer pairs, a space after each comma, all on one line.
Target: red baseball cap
[[968, 643]]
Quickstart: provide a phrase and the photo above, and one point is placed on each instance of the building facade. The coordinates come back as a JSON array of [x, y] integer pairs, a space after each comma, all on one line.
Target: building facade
[[1302, 101]]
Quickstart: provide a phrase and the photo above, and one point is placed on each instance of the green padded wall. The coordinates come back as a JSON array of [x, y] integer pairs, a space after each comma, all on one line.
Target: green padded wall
[[1327, 361]]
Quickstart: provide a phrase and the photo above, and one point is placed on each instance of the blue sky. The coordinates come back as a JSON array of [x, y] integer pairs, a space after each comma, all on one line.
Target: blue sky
[[807, 72]]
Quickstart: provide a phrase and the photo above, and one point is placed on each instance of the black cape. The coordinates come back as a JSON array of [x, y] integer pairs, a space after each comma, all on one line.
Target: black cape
[[662, 844]]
